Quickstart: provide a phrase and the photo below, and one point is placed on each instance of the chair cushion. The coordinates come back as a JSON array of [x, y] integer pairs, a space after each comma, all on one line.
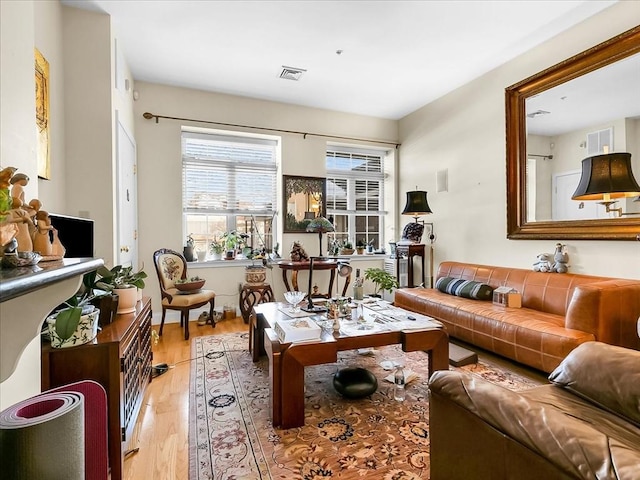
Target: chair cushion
[[170, 269], [355, 382], [183, 299]]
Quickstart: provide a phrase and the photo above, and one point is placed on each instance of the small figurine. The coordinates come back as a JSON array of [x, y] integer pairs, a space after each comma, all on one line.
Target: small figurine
[[19, 181], [560, 257], [41, 240], [544, 263], [21, 218], [298, 254]]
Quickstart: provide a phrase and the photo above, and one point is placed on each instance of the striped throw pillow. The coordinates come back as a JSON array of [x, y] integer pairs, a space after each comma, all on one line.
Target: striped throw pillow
[[464, 288]]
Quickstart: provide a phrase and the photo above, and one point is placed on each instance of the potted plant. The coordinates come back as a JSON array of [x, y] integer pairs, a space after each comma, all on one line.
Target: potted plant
[[76, 323], [256, 274], [217, 248], [346, 248], [360, 246], [383, 281], [124, 282], [231, 241]]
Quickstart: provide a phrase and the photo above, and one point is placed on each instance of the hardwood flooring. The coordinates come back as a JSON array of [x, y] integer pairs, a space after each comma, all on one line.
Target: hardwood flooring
[[162, 429]]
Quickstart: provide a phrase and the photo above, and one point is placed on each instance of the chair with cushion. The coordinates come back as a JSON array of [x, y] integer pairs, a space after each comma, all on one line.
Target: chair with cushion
[[170, 267]]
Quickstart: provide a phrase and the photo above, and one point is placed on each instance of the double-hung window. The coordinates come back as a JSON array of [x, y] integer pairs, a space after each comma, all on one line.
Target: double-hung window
[[228, 183], [355, 194]]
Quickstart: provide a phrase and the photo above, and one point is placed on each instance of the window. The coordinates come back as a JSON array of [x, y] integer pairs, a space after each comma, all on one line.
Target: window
[[228, 183], [355, 194]]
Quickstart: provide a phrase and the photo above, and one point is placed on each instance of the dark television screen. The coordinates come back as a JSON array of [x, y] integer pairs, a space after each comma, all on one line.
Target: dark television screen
[[75, 234]]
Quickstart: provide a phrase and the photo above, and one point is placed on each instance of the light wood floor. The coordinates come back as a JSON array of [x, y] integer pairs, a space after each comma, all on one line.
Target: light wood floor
[[162, 429]]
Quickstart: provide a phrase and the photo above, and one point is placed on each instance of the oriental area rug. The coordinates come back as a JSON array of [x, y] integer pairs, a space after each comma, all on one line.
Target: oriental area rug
[[231, 436]]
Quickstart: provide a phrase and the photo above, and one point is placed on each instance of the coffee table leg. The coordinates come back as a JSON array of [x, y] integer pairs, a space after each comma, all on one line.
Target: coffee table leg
[[439, 354], [256, 336], [292, 391], [275, 377]]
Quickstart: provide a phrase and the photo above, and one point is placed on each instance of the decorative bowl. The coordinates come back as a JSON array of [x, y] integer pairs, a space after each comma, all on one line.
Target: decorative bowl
[[190, 286]]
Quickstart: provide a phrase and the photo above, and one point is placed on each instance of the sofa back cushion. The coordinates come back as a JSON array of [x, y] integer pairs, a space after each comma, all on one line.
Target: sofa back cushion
[[546, 292], [606, 375]]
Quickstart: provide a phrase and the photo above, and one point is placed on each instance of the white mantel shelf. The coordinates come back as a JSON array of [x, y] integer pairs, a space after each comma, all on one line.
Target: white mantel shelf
[[27, 295]]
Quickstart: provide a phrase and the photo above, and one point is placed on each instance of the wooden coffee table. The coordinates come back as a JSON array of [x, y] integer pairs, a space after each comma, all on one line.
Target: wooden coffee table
[[287, 360]]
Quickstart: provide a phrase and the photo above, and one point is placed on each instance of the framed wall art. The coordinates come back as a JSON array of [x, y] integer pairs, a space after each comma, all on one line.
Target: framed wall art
[[42, 116], [304, 200]]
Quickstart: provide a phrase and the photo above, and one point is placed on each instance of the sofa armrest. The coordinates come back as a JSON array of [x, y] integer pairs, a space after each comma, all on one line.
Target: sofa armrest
[[608, 309], [574, 446]]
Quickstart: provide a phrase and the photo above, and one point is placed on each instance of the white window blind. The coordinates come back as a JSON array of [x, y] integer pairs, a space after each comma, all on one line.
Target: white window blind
[[225, 174]]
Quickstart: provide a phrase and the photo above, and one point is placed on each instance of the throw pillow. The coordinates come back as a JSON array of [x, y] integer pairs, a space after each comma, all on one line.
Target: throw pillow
[[465, 288], [606, 375]]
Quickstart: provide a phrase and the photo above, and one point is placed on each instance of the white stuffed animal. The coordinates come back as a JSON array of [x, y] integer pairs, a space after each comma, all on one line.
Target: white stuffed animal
[[544, 263]]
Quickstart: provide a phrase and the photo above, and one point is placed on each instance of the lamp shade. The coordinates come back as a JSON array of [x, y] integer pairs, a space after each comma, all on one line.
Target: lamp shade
[[320, 225], [416, 204], [609, 176]]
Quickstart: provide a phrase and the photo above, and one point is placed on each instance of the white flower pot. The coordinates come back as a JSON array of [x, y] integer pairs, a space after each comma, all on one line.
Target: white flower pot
[[127, 299], [86, 331]]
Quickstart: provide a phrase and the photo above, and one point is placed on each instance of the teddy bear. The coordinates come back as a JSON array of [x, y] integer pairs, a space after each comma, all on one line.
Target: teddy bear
[[560, 258], [544, 263]]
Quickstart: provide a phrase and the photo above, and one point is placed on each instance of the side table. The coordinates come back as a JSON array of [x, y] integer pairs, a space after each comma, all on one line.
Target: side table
[[252, 295]]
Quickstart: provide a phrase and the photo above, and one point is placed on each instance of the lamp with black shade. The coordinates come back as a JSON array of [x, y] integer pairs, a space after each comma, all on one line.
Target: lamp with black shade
[[416, 206], [607, 178]]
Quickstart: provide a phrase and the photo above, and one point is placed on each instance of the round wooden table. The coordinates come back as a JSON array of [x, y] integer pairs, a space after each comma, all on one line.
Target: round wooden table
[[295, 267]]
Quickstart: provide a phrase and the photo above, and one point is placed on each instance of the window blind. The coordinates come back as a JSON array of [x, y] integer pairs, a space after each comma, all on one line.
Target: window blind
[[223, 174]]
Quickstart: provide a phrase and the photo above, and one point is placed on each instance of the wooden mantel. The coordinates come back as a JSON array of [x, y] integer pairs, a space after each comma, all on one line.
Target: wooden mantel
[[27, 296]]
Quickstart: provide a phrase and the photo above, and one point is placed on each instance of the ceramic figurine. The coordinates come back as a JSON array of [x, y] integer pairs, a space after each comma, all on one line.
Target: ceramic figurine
[[41, 240], [21, 218], [18, 182]]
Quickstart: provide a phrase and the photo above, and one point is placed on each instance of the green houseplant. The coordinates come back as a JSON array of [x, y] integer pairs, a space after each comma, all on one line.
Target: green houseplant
[[75, 323], [125, 283], [217, 247], [383, 281]]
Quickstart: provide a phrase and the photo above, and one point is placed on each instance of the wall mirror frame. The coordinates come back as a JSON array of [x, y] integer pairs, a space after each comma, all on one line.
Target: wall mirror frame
[[625, 228], [303, 199]]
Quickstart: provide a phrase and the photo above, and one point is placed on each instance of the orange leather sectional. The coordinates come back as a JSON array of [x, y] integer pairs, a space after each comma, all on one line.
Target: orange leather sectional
[[559, 312]]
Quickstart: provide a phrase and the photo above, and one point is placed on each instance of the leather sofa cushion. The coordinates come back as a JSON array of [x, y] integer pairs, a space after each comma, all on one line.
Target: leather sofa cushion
[[606, 375], [576, 446], [464, 288]]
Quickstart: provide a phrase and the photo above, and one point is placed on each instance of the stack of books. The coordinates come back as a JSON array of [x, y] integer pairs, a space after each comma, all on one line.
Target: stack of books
[[298, 330]]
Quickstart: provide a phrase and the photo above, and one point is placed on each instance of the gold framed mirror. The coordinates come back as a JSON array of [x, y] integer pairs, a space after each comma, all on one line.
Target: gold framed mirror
[[523, 106], [303, 200]]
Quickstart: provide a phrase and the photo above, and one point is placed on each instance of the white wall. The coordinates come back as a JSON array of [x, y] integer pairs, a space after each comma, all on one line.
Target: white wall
[[464, 132], [160, 165]]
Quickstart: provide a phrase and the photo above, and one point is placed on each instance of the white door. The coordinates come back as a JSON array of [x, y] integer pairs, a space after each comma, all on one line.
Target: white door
[[563, 208], [127, 213]]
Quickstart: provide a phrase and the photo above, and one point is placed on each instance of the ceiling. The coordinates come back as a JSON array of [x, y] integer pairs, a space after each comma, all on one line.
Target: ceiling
[[395, 56]]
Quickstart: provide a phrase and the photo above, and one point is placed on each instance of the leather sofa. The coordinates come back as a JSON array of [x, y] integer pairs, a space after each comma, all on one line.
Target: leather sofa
[[585, 424], [559, 312]]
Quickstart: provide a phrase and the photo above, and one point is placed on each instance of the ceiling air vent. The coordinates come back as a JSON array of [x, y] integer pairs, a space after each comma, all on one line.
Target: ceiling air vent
[[537, 113], [291, 73]]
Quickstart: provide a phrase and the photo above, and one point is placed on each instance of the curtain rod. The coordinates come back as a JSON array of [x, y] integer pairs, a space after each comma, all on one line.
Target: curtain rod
[[544, 157], [149, 116]]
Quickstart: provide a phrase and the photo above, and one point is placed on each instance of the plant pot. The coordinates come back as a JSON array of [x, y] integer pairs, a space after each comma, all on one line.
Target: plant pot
[[346, 251], [255, 274], [216, 256], [360, 250], [127, 299], [86, 331], [230, 255], [108, 306]]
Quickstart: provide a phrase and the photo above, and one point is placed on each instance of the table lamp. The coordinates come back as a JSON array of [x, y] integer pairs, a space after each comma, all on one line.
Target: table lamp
[[320, 225], [416, 206], [607, 178]]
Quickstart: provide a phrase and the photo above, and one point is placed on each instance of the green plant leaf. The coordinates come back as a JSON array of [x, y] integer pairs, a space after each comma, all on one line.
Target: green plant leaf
[[67, 321]]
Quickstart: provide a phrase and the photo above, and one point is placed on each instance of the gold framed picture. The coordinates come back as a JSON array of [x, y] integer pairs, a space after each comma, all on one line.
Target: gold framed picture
[[42, 115]]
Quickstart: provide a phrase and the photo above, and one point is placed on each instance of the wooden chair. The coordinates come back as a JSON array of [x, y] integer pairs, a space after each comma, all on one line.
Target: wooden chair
[[171, 266]]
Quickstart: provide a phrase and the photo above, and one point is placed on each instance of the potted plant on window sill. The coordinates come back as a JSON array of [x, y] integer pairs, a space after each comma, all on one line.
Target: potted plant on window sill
[[216, 247], [125, 283], [360, 247]]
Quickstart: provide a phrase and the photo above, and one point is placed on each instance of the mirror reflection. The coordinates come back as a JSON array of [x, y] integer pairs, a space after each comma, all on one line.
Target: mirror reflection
[[590, 115], [304, 200]]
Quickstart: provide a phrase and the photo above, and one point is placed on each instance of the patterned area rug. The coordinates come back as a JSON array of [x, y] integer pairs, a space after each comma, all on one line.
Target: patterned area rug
[[231, 437]]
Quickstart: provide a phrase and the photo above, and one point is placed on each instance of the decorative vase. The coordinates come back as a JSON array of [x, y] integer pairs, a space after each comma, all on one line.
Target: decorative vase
[[86, 331], [189, 254], [127, 299], [255, 274]]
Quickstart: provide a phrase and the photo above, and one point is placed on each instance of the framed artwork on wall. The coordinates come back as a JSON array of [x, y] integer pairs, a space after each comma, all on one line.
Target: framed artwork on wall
[[42, 115], [304, 200]]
